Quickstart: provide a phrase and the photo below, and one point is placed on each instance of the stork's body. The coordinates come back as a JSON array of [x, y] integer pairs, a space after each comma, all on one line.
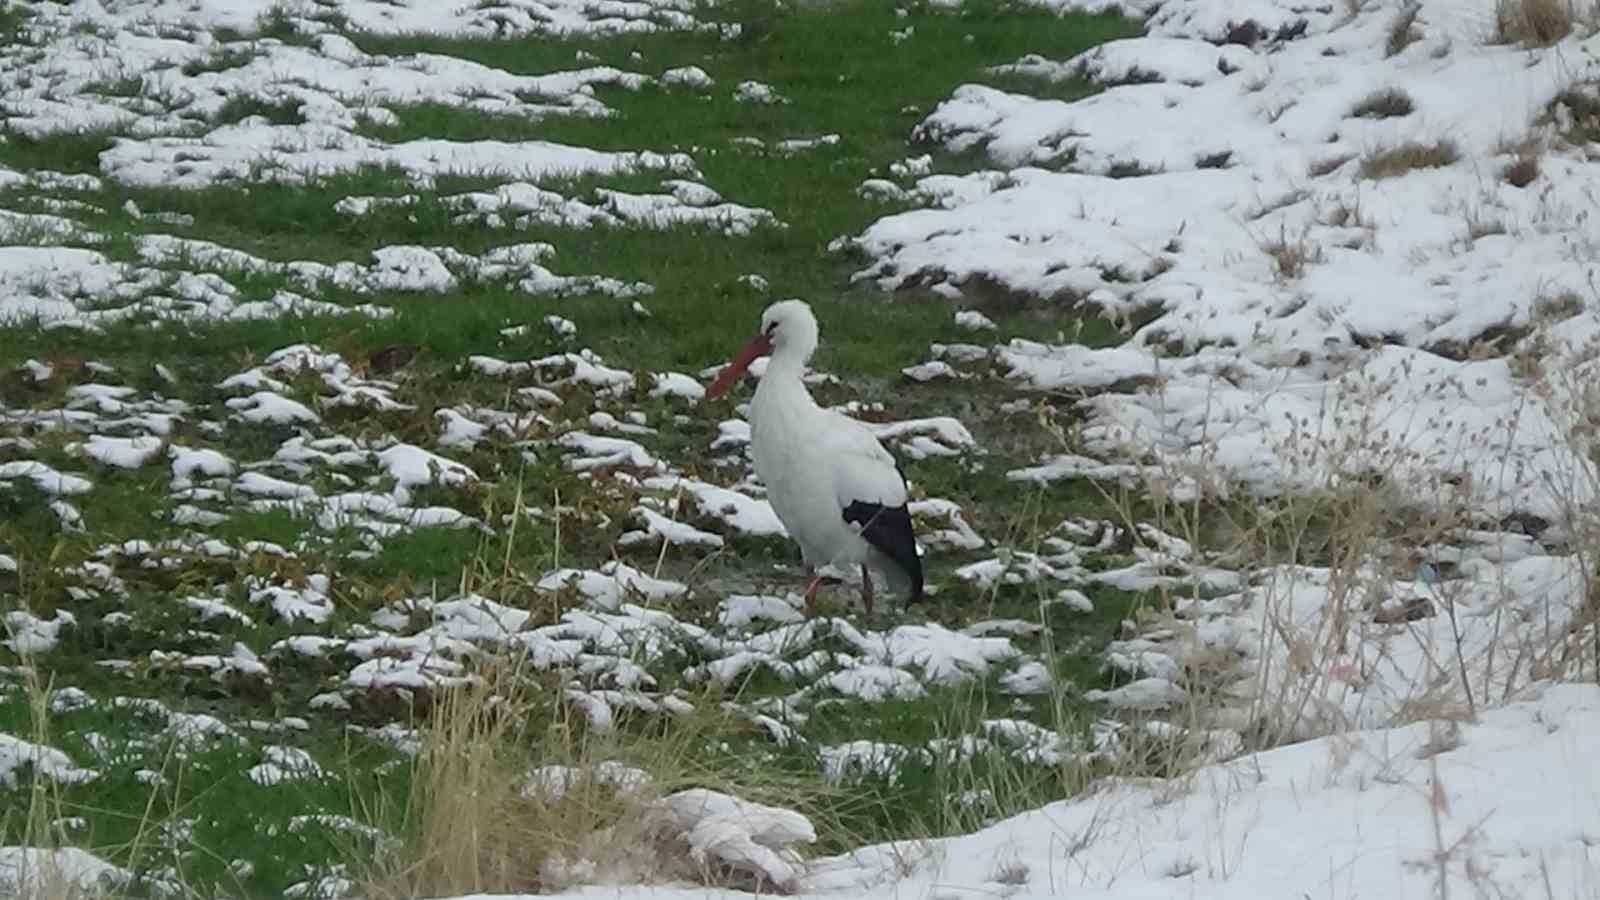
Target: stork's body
[[836, 489]]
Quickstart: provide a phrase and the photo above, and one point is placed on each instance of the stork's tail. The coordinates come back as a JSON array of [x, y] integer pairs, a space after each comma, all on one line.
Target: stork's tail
[[888, 529], [908, 580]]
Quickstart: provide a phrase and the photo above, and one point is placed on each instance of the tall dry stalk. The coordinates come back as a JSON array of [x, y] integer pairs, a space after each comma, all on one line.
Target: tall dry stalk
[[467, 833]]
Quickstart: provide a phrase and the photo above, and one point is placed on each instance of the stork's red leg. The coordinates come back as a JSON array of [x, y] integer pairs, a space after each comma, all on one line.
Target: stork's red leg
[[811, 594], [866, 588]]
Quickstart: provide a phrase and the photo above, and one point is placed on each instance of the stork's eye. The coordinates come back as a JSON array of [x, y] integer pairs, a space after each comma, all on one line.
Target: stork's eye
[[771, 328]]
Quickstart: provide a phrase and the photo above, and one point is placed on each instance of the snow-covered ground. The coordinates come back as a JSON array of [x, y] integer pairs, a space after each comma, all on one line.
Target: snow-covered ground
[[1298, 319], [1503, 807]]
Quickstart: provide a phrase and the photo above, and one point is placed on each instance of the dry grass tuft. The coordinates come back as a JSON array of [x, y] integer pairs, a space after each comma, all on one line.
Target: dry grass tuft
[[1347, 214], [1290, 257], [1385, 104], [468, 832], [1557, 308], [1575, 114], [478, 824], [1397, 161], [1327, 166], [1403, 31], [1480, 226], [1534, 23], [1013, 873]]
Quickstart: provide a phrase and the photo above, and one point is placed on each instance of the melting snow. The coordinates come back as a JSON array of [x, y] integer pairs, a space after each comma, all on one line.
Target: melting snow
[[747, 836], [57, 766], [607, 587]]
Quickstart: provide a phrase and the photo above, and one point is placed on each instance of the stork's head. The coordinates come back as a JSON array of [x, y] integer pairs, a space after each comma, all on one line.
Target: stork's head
[[791, 329], [788, 332]]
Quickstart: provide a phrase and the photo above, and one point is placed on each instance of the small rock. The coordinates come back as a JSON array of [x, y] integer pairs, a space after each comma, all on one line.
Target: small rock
[[1409, 610], [392, 358]]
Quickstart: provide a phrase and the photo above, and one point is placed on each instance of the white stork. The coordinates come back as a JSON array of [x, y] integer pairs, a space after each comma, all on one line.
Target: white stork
[[835, 488]]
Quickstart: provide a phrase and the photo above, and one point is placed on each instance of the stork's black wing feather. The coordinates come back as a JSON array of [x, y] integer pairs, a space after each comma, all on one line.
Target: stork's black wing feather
[[888, 528]]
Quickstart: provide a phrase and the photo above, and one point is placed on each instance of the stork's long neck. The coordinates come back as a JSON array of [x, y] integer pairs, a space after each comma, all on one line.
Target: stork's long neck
[[782, 388]]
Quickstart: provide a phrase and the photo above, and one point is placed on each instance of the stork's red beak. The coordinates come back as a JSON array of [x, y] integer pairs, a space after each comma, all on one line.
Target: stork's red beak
[[760, 346]]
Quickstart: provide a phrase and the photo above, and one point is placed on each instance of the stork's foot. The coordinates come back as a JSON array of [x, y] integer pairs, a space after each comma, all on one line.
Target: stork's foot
[[811, 595], [866, 588]]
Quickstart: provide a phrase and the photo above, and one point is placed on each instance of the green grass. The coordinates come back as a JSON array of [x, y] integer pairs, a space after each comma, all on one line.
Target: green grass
[[126, 86], [13, 15], [833, 86], [227, 56], [76, 153], [172, 810], [237, 109]]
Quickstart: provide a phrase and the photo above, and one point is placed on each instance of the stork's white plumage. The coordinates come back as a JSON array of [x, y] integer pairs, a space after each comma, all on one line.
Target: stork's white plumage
[[835, 488]]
